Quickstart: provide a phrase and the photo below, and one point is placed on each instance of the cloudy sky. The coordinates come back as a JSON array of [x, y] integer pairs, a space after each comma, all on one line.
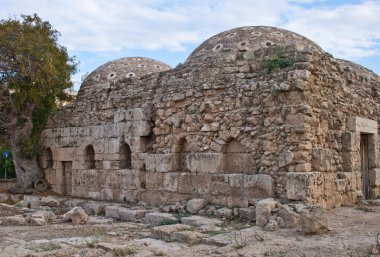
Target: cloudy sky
[[97, 31]]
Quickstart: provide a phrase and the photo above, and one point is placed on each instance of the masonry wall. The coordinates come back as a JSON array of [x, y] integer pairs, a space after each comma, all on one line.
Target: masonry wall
[[343, 104], [222, 131]]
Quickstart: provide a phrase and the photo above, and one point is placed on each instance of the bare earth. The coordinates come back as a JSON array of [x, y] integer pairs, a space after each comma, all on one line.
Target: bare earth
[[353, 233]]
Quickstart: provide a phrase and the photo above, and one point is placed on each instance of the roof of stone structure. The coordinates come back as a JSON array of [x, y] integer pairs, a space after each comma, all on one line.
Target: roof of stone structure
[[249, 39], [129, 67]]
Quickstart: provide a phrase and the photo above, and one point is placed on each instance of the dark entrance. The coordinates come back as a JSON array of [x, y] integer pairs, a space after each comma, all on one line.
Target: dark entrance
[[364, 164], [67, 175]]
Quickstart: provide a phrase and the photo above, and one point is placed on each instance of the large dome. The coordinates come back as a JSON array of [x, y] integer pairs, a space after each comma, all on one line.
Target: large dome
[[129, 67], [248, 39]]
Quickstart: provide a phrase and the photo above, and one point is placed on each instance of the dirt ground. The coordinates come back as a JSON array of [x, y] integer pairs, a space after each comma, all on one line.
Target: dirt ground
[[353, 232]]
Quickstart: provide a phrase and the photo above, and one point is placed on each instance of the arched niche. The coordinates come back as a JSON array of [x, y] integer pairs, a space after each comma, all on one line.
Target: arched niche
[[234, 157], [89, 159], [45, 160], [125, 159]]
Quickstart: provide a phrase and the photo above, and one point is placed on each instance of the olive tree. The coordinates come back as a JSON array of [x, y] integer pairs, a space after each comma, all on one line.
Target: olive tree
[[34, 71]]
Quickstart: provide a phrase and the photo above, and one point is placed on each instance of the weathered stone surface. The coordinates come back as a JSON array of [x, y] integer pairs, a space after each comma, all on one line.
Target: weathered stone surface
[[195, 205], [8, 210], [32, 202], [264, 210], [195, 220], [224, 212], [42, 217], [248, 214], [17, 220], [131, 215], [76, 215], [165, 231], [4, 197], [291, 218], [50, 201], [299, 184], [112, 211], [187, 237], [94, 208], [158, 218], [314, 220]]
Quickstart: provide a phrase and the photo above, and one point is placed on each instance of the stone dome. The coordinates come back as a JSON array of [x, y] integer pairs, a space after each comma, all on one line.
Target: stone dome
[[248, 38], [129, 67]]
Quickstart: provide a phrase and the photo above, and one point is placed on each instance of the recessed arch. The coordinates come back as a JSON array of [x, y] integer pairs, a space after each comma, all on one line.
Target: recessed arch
[[45, 160], [234, 157], [125, 157], [89, 160]]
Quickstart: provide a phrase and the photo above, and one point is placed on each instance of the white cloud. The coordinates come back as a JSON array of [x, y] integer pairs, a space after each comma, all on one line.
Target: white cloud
[[120, 25]]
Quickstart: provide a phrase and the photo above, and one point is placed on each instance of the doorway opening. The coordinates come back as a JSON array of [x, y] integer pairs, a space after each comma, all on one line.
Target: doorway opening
[[67, 177], [364, 163]]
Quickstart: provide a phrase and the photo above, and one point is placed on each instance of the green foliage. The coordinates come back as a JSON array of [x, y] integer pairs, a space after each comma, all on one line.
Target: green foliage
[[36, 70], [6, 164], [277, 62]]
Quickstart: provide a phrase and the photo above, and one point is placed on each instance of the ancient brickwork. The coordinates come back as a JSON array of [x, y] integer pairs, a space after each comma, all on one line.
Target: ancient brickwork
[[221, 126]]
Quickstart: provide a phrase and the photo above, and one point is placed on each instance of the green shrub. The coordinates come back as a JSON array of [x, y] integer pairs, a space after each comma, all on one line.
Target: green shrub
[[277, 62]]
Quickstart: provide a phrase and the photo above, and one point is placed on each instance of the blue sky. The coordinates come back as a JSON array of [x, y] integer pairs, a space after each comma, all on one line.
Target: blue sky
[[98, 31]]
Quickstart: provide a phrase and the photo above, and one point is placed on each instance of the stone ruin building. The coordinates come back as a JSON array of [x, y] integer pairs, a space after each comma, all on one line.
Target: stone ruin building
[[223, 126]]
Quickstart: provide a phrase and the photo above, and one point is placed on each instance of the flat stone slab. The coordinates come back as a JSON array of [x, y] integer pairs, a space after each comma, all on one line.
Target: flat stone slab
[[112, 211], [164, 232], [158, 218], [200, 221], [99, 220], [187, 237], [132, 215]]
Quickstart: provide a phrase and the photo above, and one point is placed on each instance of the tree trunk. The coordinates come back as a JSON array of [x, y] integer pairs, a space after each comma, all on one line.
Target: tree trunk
[[27, 170]]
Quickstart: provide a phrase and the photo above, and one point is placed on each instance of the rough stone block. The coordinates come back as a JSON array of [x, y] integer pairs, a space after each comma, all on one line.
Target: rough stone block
[[17, 220], [195, 205], [374, 177], [314, 220], [291, 218], [141, 128], [162, 162], [299, 184], [200, 221], [364, 125], [158, 218], [165, 231], [261, 181], [131, 215], [205, 162], [248, 214], [112, 212], [264, 209], [187, 237], [170, 181], [322, 159]]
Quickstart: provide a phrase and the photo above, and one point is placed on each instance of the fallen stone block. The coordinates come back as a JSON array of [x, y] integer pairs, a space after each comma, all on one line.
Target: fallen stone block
[[42, 217], [131, 215], [225, 213], [4, 197], [50, 201], [314, 220], [290, 218], [158, 218], [33, 202], [264, 210], [94, 208], [17, 220], [112, 211], [248, 214], [76, 215], [200, 221], [187, 237], [8, 210], [164, 232], [71, 203], [195, 205]]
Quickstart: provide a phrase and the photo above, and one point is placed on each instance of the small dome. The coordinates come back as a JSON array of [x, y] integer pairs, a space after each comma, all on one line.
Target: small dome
[[129, 67], [248, 39]]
